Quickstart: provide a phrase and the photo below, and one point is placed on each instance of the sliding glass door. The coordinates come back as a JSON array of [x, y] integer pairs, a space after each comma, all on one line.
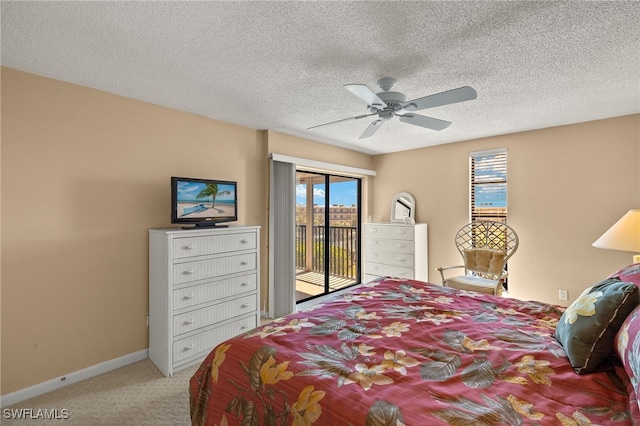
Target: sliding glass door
[[327, 233]]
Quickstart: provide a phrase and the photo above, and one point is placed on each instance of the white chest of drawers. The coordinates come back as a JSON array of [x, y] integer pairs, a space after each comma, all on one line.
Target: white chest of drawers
[[203, 289], [395, 250]]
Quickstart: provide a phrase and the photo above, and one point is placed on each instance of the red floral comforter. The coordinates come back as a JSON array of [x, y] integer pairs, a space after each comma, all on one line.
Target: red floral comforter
[[405, 353]]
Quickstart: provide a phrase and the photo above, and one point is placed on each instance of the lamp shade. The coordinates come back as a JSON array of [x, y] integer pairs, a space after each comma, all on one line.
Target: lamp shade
[[624, 235]]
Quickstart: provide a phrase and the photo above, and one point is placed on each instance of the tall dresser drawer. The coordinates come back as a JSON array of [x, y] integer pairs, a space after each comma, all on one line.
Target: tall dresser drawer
[[203, 342], [390, 258], [381, 270], [203, 293], [212, 314], [193, 271], [386, 244], [213, 244], [401, 232]]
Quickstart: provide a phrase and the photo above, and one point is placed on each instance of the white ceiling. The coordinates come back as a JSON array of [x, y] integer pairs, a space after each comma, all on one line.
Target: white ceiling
[[282, 65]]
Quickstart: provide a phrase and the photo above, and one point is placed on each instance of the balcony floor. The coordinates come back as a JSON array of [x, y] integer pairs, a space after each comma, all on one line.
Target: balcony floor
[[309, 283]]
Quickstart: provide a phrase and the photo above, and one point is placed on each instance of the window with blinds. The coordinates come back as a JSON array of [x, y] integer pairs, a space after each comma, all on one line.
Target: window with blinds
[[488, 185]]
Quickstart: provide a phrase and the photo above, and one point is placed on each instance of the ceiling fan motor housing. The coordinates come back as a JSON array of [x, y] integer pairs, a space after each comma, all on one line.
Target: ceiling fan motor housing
[[394, 100]]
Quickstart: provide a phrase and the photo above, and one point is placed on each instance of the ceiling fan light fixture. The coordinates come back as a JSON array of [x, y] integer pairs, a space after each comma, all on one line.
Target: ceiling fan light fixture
[[385, 114]]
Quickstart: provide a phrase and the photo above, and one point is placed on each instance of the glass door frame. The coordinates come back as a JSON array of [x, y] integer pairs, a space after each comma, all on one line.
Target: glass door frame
[[310, 243]]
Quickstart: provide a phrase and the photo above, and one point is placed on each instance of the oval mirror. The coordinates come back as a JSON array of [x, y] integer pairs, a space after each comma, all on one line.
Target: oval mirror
[[403, 208]]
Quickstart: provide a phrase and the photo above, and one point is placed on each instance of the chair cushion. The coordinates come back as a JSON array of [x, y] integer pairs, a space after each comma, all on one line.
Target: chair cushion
[[484, 260], [588, 327], [471, 283]]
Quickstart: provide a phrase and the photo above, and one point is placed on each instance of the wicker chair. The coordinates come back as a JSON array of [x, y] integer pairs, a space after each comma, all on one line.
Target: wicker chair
[[485, 247]]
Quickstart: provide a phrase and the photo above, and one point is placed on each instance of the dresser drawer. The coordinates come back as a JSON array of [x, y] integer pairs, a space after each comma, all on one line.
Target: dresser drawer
[[212, 244], [204, 342], [212, 314], [400, 232], [210, 268], [203, 293], [388, 270], [386, 244], [390, 258]]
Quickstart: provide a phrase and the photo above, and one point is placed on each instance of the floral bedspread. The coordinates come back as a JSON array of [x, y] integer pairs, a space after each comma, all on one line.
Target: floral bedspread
[[406, 353]]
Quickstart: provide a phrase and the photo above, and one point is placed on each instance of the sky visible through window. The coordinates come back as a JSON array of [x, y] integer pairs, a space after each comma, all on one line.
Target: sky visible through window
[[342, 193], [491, 188], [491, 196]]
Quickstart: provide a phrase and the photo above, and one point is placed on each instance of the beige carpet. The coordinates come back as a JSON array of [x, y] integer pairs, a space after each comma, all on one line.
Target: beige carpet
[[137, 394]]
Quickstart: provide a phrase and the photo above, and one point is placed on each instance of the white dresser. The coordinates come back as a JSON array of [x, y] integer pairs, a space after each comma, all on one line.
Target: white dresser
[[395, 250], [203, 289]]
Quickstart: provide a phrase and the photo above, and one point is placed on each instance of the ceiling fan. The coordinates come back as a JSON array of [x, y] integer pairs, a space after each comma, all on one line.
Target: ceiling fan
[[388, 104]]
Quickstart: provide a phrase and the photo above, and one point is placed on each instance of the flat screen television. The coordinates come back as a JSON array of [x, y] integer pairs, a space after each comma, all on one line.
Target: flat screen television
[[203, 202]]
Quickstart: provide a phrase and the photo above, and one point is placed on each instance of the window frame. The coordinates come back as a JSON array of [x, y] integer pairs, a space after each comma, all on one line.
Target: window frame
[[488, 173]]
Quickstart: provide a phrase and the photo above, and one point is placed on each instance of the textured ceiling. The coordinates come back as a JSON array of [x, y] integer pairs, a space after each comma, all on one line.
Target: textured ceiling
[[282, 65]]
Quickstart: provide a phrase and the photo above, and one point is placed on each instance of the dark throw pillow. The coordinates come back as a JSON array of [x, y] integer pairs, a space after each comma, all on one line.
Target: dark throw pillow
[[587, 328]]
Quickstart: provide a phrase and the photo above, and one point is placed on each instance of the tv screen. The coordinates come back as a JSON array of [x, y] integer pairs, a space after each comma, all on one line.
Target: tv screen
[[203, 202]]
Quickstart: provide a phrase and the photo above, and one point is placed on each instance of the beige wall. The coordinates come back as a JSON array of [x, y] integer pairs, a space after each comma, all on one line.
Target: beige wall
[[301, 148], [85, 174], [566, 186]]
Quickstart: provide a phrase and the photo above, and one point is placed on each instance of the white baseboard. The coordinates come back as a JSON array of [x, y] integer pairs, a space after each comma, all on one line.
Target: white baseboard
[[74, 377]]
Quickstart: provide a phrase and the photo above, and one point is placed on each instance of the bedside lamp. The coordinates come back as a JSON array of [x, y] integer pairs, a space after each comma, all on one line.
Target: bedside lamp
[[624, 235]]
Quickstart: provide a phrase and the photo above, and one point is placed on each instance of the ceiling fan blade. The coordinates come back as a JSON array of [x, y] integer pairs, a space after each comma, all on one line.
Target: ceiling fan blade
[[453, 96], [363, 92], [423, 121], [357, 117], [371, 129]]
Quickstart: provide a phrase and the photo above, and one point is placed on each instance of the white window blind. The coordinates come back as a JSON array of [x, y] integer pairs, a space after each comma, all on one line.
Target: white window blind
[[488, 185], [282, 226]]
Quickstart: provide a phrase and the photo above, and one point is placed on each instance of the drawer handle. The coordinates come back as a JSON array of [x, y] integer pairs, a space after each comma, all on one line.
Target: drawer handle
[[244, 262], [244, 284], [188, 348], [244, 241], [188, 296], [189, 321], [402, 245], [244, 326], [189, 247], [402, 259], [244, 305], [188, 272]]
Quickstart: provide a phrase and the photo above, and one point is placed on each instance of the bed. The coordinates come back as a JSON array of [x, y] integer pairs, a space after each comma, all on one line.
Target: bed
[[405, 352]]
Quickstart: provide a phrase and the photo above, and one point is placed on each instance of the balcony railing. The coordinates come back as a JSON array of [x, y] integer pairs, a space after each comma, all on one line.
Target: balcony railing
[[343, 250]]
